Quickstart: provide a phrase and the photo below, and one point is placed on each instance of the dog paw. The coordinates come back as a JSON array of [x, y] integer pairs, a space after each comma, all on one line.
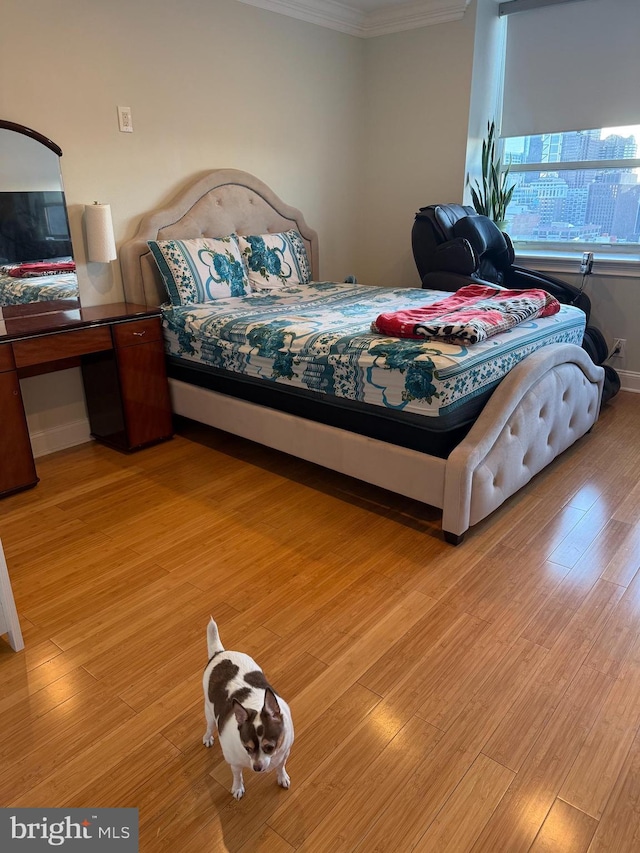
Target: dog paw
[[283, 779], [238, 793], [208, 740]]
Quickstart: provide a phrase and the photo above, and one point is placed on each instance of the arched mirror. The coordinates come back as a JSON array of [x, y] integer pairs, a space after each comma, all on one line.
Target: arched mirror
[[36, 256]]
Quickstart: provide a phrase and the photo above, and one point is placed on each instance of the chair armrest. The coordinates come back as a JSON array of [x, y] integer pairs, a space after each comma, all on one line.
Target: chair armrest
[[456, 256], [521, 277]]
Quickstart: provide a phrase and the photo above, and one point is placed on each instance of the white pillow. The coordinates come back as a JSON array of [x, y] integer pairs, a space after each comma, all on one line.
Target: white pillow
[[201, 270], [275, 260]]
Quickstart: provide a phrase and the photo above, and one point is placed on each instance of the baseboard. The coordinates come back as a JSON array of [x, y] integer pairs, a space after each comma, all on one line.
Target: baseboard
[[60, 437], [629, 380]]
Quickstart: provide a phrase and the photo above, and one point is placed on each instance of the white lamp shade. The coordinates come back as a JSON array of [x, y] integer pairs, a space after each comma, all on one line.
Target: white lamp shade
[[101, 244]]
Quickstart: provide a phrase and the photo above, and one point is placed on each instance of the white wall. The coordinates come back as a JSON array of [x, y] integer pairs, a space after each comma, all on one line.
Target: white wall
[[615, 305], [416, 115], [56, 411], [211, 83]]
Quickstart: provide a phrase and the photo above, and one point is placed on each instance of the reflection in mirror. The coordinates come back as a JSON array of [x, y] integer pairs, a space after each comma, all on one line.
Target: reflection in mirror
[[36, 260]]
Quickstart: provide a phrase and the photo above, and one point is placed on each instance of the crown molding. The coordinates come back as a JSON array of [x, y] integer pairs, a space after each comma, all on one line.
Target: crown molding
[[345, 19], [410, 16], [325, 13]]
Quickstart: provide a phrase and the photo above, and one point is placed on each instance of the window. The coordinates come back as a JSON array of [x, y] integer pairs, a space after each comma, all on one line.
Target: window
[[578, 187], [56, 221], [570, 65]]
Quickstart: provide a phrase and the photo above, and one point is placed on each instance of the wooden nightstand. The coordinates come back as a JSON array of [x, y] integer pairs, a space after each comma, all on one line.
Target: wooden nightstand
[[120, 350]]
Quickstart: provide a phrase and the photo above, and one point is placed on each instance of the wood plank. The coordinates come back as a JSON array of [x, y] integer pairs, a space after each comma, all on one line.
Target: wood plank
[[266, 841], [393, 664], [623, 558], [516, 822], [565, 830], [584, 533], [435, 779], [353, 663], [629, 509], [104, 753], [515, 735], [30, 754], [618, 830], [466, 812], [118, 786], [28, 701], [574, 585], [324, 778], [483, 697], [599, 762], [618, 636], [385, 779]]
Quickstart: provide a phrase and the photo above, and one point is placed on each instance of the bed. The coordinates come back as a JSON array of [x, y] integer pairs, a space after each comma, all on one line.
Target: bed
[[43, 288], [465, 456]]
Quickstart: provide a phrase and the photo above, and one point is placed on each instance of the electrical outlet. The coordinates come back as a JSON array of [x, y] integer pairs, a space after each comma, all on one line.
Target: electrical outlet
[[125, 119], [619, 347]]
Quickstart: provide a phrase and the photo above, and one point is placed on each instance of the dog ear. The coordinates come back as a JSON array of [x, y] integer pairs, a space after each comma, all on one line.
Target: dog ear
[[271, 707], [241, 713]]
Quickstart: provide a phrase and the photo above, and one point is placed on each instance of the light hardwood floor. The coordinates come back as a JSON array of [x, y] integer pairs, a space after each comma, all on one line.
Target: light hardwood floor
[[483, 698]]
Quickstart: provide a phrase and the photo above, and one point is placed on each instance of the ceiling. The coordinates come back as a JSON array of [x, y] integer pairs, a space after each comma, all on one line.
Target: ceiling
[[368, 18]]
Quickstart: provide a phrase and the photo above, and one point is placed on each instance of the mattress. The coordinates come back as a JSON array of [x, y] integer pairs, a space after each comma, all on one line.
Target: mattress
[[316, 339], [17, 291]]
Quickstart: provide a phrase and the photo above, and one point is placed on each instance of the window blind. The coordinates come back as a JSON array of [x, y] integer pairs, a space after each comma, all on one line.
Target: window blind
[[572, 66]]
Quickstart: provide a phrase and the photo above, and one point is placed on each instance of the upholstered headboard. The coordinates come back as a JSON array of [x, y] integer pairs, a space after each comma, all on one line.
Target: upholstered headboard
[[223, 202]]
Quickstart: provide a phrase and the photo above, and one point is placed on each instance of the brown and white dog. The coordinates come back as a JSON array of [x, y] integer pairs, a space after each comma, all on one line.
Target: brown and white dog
[[254, 724]]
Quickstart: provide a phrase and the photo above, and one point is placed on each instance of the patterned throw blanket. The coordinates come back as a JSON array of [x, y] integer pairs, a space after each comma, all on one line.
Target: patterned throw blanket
[[471, 314], [39, 268]]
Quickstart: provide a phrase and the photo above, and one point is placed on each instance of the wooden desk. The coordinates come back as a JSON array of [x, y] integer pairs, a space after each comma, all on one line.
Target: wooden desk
[[120, 350]]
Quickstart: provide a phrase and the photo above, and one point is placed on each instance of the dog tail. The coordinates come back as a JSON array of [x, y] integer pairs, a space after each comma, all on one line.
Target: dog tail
[[213, 639]]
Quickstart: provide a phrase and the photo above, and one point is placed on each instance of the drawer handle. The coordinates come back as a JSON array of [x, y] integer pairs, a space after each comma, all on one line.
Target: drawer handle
[[140, 334]]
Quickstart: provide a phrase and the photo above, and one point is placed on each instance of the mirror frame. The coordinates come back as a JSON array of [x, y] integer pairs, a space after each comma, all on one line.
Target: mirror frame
[[28, 131], [43, 305]]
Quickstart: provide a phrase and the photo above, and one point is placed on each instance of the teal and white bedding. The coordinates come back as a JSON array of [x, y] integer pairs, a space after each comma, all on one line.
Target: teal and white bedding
[[18, 291], [316, 337]]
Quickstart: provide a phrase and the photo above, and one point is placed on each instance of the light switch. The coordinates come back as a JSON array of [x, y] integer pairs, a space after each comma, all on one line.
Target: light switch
[[125, 121]]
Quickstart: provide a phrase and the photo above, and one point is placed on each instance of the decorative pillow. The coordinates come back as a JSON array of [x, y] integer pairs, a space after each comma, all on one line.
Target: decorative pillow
[[275, 260], [201, 270]]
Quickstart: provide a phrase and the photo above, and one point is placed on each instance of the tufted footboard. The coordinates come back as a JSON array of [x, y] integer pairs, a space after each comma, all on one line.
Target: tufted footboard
[[543, 406]]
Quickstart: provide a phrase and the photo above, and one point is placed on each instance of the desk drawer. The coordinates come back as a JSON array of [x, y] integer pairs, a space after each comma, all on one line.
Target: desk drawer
[[63, 345], [137, 332], [6, 358]]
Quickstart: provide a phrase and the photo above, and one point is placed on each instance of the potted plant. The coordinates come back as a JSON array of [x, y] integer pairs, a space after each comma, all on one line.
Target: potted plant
[[491, 197]]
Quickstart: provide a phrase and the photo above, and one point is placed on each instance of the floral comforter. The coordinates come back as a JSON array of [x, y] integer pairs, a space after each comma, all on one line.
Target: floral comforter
[[317, 337], [17, 291]]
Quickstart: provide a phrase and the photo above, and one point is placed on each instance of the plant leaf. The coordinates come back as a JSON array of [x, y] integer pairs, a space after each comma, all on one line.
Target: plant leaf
[[491, 196], [476, 200]]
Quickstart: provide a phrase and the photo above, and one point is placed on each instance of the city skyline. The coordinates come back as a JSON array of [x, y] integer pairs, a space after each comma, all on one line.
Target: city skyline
[[589, 205]]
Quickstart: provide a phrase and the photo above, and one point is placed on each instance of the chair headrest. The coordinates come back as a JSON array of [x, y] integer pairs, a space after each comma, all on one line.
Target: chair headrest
[[446, 215], [487, 240]]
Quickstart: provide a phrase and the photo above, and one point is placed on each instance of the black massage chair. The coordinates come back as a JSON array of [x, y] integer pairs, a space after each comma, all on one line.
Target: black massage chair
[[453, 245]]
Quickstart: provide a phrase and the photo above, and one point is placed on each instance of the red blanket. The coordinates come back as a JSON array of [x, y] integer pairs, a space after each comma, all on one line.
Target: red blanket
[[37, 268], [471, 314]]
